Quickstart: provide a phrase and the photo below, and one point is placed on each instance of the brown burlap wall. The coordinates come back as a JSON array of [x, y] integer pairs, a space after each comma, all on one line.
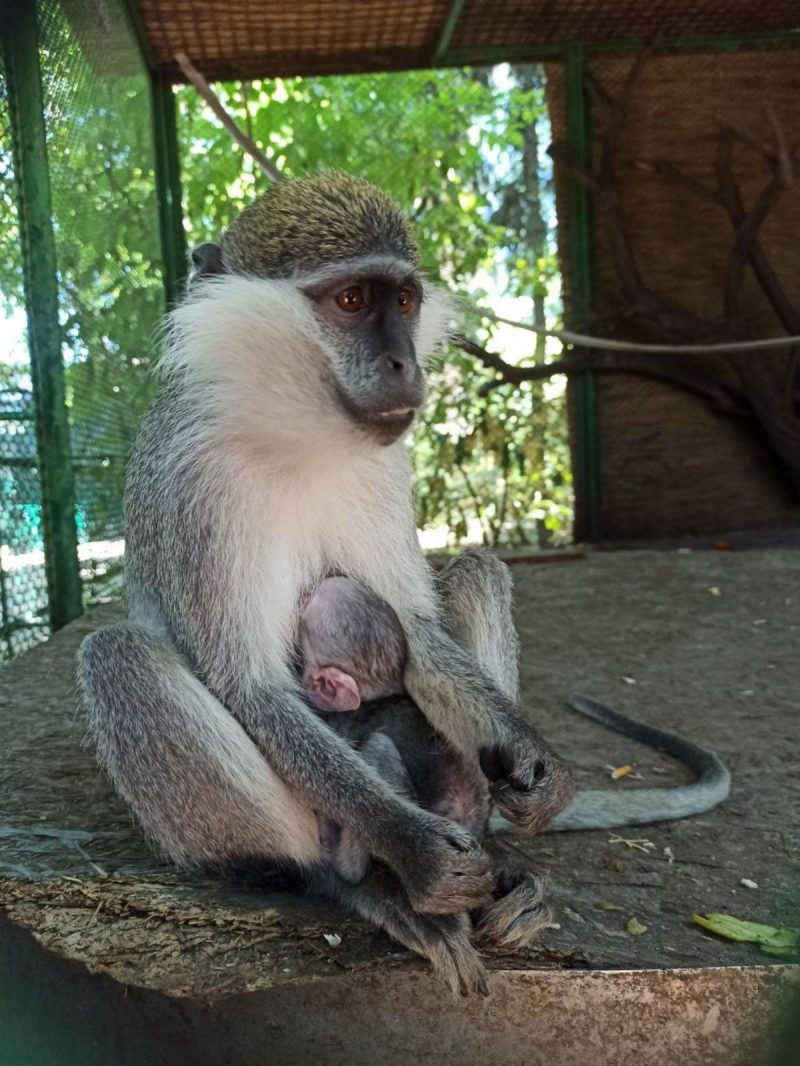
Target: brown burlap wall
[[671, 465]]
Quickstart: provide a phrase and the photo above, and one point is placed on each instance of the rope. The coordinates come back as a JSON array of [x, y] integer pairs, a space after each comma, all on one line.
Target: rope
[[585, 340]]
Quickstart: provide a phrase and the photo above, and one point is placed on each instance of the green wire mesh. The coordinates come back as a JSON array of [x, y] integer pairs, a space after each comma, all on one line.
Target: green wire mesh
[[100, 154], [23, 588], [101, 164]]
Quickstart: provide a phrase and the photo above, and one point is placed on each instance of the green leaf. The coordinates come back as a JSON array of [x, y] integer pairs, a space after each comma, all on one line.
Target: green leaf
[[772, 940], [635, 927]]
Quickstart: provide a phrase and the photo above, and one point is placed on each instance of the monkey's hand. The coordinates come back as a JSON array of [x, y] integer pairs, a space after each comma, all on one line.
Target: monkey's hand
[[529, 784], [442, 867]]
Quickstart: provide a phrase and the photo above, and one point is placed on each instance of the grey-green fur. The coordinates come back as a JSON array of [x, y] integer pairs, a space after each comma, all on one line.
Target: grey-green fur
[[301, 223]]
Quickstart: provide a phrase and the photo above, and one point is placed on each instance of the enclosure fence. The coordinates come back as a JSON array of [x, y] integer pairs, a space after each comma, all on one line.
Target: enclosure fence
[[82, 255], [23, 591]]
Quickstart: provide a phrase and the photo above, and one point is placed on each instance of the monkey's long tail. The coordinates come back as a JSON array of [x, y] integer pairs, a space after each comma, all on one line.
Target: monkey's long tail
[[605, 809]]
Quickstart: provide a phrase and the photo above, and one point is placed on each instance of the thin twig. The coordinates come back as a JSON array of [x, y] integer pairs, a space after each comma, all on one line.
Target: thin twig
[[746, 137], [785, 161], [213, 101]]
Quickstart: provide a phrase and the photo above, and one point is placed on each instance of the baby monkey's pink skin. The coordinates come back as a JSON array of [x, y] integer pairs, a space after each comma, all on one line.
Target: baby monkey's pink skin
[[330, 689]]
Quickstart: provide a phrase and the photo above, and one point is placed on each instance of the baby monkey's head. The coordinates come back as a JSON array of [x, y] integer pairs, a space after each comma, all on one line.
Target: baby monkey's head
[[352, 645]]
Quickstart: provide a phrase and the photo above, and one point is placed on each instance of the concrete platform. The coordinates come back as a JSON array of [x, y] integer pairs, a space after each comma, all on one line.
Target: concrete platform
[[108, 956]]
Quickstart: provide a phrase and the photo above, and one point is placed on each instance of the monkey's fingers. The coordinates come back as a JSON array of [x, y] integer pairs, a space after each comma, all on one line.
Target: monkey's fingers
[[455, 891], [521, 806], [529, 785], [451, 872]]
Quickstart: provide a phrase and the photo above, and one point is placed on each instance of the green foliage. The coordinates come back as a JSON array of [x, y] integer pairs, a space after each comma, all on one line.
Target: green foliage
[[461, 152]]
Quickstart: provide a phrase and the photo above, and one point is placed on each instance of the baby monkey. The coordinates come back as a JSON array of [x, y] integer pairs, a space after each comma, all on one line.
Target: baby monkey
[[354, 651]]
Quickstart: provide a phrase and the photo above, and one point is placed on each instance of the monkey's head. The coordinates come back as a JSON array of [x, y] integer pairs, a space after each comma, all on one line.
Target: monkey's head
[[350, 253]]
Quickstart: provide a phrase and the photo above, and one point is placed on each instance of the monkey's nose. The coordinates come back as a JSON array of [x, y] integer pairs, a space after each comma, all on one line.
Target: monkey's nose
[[396, 362]]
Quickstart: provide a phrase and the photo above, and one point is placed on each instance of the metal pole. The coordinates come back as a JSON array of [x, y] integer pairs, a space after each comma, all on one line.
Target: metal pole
[[26, 114], [168, 185], [587, 463]]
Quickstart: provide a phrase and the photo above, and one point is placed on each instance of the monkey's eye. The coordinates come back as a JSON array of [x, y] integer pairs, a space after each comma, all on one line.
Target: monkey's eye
[[407, 300], [351, 298]]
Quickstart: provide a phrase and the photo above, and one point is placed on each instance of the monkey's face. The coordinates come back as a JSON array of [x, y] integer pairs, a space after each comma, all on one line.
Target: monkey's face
[[315, 313], [369, 310]]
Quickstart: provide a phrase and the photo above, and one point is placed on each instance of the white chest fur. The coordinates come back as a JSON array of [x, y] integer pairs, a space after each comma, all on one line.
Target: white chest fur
[[352, 517]]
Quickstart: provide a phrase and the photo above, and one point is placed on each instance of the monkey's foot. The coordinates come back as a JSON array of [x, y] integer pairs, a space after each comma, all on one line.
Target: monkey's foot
[[517, 914], [445, 940]]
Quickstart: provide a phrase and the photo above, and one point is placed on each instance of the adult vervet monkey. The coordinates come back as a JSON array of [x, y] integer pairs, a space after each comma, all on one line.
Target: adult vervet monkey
[[273, 458]]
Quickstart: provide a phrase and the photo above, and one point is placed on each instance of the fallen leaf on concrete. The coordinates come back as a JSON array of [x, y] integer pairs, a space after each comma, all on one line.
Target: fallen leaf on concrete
[[778, 942], [606, 905], [621, 771], [635, 927]]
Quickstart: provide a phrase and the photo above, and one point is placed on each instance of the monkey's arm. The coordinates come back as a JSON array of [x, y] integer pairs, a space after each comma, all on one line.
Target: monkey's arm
[[441, 866], [605, 809], [530, 784]]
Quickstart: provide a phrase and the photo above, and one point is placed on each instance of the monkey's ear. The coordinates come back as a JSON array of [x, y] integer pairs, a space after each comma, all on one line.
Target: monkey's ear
[[207, 261], [331, 689]]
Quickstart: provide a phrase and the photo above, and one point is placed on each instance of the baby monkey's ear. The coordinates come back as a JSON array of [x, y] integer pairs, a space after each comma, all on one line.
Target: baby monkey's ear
[[331, 689]]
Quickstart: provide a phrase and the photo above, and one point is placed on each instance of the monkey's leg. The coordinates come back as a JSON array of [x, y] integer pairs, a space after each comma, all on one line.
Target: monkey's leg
[[475, 593], [476, 600], [197, 784], [206, 792], [202, 791], [345, 848], [444, 939], [462, 674]]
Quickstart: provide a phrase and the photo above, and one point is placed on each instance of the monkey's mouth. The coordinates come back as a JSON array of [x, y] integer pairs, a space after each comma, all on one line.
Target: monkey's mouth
[[383, 426], [387, 425], [400, 416]]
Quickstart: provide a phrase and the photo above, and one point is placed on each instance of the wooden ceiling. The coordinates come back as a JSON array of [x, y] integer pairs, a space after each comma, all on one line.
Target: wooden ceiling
[[231, 39]]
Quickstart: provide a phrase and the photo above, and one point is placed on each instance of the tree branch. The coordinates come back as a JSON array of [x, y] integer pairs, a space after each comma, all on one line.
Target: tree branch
[[213, 101], [723, 395]]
